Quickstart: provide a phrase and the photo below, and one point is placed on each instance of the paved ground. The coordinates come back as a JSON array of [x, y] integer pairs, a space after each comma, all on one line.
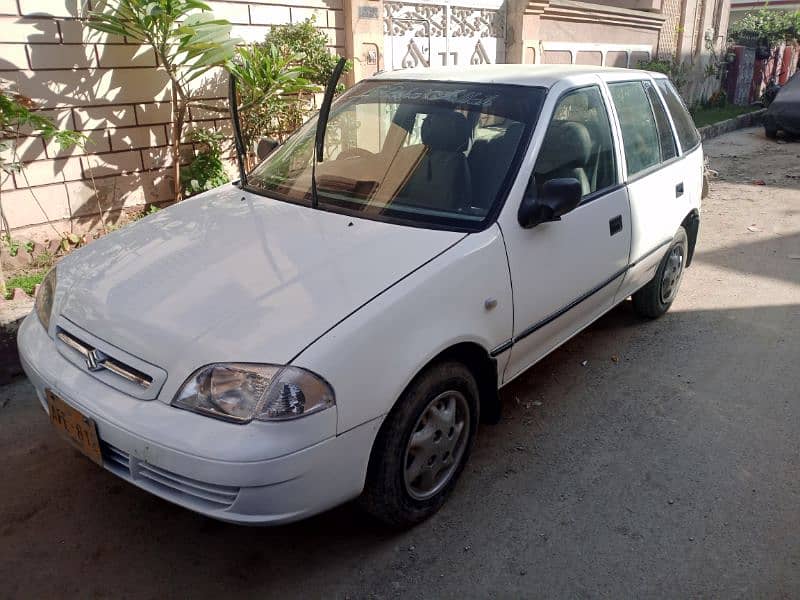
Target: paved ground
[[673, 471]]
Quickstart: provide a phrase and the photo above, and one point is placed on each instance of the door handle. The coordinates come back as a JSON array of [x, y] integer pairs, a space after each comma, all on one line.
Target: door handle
[[615, 225], [679, 190]]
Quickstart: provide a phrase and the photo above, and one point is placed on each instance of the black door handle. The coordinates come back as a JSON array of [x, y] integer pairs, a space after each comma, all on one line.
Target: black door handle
[[615, 225], [679, 190]]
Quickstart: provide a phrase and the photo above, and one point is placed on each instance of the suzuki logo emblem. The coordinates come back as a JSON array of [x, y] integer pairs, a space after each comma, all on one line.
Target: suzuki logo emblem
[[92, 361]]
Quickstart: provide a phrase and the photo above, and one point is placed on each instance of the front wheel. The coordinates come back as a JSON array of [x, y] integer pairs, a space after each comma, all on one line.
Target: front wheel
[[655, 298], [423, 446]]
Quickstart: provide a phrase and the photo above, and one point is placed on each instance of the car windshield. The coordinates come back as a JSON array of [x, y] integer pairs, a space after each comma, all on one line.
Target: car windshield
[[425, 153]]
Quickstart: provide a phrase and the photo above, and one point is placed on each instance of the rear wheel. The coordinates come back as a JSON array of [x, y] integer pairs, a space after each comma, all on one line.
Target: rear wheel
[[655, 298], [423, 446]]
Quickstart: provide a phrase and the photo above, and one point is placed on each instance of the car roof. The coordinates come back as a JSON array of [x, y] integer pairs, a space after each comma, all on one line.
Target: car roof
[[532, 75]]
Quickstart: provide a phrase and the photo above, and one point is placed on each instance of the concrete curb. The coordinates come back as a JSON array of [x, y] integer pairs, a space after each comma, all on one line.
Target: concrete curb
[[750, 119], [11, 314]]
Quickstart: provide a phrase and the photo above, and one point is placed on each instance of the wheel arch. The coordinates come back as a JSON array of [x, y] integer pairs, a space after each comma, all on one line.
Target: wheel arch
[[691, 223], [483, 367], [477, 359]]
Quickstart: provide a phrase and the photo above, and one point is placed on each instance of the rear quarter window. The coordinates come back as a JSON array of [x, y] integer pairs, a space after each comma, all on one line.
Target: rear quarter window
[[668, 148], [688, 135]]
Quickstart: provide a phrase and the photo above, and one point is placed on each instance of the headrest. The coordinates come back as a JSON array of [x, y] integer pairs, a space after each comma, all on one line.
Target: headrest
[[445, 131], [573, 106], [566, 145]]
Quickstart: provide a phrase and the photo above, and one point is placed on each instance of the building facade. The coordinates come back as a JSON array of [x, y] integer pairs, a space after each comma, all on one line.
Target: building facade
[[392, 34], [114, 92]]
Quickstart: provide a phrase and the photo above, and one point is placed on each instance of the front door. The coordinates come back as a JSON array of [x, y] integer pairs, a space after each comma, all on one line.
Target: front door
[[565, 273]]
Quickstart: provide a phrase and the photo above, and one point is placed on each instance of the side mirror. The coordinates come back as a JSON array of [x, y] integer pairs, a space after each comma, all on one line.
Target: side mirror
[[558, 197], [265, 147]]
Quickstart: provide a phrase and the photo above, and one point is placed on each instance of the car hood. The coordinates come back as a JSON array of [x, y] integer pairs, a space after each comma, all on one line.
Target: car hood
[[233, 276]]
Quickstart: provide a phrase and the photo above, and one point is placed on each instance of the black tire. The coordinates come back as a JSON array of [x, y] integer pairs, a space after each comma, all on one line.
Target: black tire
[[770, 128], [386, 495], [655, 298]]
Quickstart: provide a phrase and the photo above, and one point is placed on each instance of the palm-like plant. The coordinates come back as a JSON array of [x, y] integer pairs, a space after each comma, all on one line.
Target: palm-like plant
[[187, 40], [269, 83]]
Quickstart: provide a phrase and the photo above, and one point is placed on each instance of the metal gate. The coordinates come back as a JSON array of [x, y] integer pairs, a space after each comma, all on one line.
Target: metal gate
[[442, 34]]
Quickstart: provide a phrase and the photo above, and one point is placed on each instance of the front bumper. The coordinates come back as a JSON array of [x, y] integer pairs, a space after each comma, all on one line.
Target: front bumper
[[254, 474]]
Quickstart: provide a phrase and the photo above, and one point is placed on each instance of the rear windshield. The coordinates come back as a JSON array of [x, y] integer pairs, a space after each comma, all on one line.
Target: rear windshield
[[424, 153], [688, 135]]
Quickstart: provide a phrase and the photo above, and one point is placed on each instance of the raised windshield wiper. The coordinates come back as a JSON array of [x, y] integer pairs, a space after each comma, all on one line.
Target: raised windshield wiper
[[237, 130], [322, 124]]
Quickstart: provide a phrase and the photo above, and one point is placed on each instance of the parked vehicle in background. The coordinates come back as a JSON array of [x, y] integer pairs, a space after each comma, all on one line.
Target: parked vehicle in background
[[783, 113], [337, 323]]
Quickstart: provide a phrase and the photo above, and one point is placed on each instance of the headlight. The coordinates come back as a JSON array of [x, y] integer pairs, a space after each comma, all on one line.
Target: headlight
[[242, 392], [44, 298]]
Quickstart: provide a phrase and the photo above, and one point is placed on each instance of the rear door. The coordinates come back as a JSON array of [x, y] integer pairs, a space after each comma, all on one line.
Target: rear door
[[655, 177], [689, 142]]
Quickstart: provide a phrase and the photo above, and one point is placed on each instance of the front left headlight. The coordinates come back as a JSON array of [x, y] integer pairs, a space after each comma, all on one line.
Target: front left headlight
[[241, 392], [43, 305]]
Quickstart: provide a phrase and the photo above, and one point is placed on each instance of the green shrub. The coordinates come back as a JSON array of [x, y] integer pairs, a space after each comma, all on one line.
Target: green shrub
[[675, 70], [767, 26], [310, 45], [206, 170], [277, 79], [718, 99], [26, 281]]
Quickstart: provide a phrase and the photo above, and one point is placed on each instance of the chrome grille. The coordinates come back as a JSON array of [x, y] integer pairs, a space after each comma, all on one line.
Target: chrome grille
[[96, 360], [107, 362], [165, 483]]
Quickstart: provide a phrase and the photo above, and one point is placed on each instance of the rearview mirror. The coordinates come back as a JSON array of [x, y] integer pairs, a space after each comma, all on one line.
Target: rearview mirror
[[265, 147], [558, 197]]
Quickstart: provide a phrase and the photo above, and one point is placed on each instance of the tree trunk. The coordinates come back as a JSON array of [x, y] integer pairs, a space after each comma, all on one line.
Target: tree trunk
[[178, 116], [3, 225]]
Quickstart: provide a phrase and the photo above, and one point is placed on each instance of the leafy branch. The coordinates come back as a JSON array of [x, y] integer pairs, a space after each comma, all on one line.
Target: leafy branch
[[17, 114], [277, 79], [766, 26], [188, 42]]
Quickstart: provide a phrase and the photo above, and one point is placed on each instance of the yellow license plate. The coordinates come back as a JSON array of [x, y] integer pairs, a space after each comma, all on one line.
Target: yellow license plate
[[80, 430]]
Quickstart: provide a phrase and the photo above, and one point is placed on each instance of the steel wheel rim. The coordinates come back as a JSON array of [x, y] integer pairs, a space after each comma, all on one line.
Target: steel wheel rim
[[671, 277], [436, 445]]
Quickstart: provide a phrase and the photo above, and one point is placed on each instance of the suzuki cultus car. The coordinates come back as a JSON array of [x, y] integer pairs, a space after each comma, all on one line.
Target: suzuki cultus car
[[337, 323]]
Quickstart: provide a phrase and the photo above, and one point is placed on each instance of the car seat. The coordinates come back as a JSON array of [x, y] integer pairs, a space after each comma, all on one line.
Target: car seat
[[441, 180]]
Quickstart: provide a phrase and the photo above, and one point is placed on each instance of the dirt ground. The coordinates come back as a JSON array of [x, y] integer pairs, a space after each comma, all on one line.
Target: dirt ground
[[672, 471]]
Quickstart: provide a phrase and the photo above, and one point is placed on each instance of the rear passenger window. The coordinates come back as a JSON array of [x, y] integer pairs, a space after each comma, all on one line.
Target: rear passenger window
[[578, 143], [688, 135], [665, 137], [639, 133]]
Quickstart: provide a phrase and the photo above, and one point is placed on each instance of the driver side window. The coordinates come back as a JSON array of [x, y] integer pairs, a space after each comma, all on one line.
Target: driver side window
[[578, 144]]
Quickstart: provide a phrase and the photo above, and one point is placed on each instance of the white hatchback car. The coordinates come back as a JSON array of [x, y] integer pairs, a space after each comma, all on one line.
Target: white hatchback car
[[318, 332]]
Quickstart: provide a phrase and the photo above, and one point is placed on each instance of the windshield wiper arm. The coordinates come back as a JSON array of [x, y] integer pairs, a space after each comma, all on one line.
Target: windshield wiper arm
[[322, 124], [237, 129]]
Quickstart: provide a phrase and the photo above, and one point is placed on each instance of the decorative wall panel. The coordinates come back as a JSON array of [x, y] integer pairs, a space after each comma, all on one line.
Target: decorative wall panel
[[440, 34]]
